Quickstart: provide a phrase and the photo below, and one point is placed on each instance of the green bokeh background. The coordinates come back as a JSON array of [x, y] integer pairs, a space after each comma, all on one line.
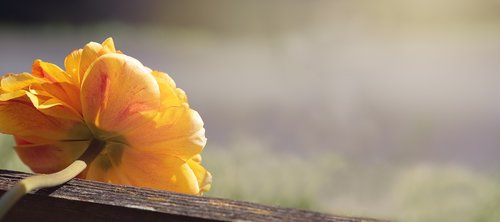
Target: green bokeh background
[[8, 157]]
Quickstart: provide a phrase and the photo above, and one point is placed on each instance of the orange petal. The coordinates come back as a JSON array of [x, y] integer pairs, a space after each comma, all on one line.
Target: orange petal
[[15, 82], [49, 71], [68, 94], [72, 65], [6, 96], [99, 169], [120, 164], [53, 107], [178, 131], [24, 120], [202, 175], [57, 99], [116, 91], [89, 54], [170, 94], [108, 46], [50, 158], [159, 172], [78, 61]]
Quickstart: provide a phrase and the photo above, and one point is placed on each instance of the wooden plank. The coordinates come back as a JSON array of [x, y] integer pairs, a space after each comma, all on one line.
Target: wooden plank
[[83, 200]]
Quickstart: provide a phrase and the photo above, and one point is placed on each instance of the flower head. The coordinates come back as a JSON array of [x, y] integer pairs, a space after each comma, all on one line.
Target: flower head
[[153, 138]]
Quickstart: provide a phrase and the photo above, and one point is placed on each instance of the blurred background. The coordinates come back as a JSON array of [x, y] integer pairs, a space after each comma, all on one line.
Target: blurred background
[[386, 109]]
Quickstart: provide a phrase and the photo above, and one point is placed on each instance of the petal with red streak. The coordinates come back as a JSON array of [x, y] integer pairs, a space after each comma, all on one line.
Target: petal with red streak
[[116, 92]]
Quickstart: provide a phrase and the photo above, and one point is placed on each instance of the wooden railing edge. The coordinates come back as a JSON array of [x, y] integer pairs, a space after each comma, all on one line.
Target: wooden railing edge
[[84, 200]]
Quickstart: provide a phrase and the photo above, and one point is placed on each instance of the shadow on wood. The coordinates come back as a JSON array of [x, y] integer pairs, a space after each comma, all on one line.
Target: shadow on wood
[[83, 200]]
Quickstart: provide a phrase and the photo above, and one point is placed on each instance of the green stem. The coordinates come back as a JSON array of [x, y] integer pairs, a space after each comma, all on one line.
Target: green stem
[[31, 183]]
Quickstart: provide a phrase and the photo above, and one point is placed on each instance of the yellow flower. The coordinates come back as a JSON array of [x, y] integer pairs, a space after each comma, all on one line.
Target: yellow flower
[[153, 138]]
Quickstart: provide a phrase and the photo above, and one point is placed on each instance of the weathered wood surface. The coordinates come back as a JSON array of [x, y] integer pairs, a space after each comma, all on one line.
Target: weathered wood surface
[[83, 200]]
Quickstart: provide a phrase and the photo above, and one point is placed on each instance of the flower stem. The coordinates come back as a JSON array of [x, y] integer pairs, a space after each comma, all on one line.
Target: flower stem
[[31, 183]]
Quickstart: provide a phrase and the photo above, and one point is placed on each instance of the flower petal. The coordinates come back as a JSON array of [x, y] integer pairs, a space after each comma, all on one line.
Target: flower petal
[[91, 52], [73, 62], [159, 172], [108, 46], [50, 158], [15, 82], [178, 131], [49, 71], [120, 164], [53, 107], [170, 95], [67, 94], [56, 99], [116, 91], [6, 96], [25, 121], [72, 65], [175, 130], [202, 175]]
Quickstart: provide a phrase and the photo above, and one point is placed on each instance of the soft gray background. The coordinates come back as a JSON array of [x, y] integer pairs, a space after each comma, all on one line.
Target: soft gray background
[[385, 109]]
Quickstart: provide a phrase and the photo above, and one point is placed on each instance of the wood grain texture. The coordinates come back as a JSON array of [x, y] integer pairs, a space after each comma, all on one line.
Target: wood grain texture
[[83, 200]]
